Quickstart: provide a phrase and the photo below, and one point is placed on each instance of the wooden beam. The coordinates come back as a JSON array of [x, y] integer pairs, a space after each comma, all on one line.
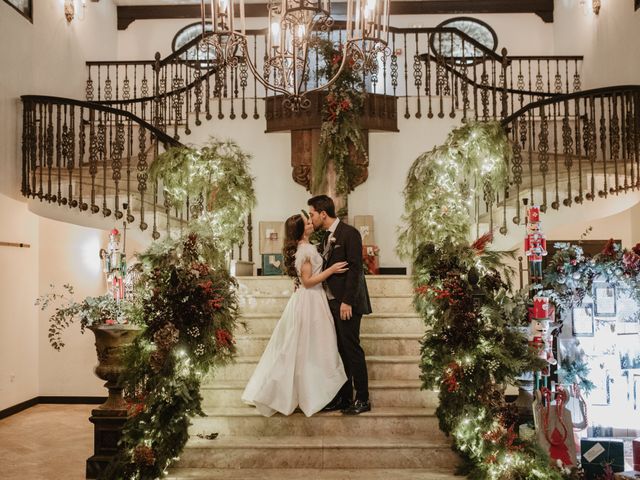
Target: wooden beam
[[542, 8]]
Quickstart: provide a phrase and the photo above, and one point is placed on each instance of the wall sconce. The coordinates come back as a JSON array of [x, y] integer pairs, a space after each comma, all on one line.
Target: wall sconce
[[596, 4], [69, 10], [71, 7]]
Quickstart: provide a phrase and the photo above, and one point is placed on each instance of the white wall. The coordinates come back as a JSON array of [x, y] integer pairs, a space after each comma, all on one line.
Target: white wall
[[45, 58], [609, 40], [18, 316], [69, 254]]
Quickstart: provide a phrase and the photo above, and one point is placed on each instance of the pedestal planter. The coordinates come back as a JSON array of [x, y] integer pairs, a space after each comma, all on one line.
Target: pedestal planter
[[109, 418]]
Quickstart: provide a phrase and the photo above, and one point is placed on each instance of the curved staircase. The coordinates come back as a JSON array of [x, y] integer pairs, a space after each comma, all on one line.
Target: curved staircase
[[399, 438]]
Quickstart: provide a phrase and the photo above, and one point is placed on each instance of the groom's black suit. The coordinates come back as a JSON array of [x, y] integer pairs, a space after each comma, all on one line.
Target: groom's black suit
[[349, 288]]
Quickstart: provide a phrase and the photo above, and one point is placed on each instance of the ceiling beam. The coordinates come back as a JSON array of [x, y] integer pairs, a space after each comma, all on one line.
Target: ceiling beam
[[542, 8]]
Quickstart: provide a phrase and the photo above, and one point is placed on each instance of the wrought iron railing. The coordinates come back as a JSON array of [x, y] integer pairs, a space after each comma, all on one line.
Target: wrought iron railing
[[477, 83], [570, 149], [93, 157], [569, 145]]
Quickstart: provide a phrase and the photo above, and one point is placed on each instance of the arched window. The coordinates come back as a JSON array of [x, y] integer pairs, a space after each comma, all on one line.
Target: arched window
[[451, 45], [185, 35]]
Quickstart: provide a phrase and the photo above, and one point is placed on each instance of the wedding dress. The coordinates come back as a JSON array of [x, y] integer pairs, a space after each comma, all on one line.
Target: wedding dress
[[301, 365]]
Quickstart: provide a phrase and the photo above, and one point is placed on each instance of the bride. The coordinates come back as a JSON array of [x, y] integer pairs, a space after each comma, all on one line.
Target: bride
[[300, 365]]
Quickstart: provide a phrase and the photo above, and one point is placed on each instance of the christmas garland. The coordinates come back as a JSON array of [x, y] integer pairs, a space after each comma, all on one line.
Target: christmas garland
[[441, 184], [473, 344], [569, 278], [187, 304], [340, 133], [570, 274]]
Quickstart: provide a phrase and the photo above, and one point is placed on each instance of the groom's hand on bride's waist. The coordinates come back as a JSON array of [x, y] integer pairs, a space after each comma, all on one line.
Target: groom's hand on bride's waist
[[345, 311]]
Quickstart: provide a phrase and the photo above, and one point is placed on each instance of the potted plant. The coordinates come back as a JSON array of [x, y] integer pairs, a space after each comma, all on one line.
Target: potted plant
[[108, 318]]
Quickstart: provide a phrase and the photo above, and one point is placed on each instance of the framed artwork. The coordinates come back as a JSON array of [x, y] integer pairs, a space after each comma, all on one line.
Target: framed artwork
[[604, 298], [628, 326], [271, 237], [582, 319], [24, 7]]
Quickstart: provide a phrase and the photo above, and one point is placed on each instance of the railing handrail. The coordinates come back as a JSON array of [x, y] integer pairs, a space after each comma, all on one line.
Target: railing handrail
[[594, 92], [470, 81], [159, 134], [178, 91]]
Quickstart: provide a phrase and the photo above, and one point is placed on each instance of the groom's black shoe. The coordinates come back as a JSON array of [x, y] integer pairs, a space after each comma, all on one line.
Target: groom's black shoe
[[336, 404], [358, 407]]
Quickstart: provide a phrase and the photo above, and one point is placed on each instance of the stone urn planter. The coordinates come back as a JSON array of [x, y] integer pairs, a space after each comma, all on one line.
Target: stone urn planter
[[111, 342], [109, 418]]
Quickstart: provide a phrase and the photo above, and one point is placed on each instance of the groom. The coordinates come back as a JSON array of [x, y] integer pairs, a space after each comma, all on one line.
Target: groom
[[348, 300]]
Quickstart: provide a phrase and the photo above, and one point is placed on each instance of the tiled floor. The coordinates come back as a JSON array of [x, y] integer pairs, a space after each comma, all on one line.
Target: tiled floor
[[46, 442]]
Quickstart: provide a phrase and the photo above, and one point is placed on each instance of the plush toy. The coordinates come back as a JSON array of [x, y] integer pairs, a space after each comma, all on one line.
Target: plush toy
[[535, 245]]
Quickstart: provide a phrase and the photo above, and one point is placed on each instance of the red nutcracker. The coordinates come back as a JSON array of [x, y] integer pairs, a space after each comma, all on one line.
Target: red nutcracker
[[535, 245], [541, 315]]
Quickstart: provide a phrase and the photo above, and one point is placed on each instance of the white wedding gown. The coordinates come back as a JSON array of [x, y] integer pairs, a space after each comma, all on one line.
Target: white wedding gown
[[301, 365]]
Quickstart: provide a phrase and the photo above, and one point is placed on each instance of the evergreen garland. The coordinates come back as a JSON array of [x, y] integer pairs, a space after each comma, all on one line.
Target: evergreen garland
[[186, 302], [340, 133], [570, 274], [473, 345], [568, 279], [441, 184], [216, 181]]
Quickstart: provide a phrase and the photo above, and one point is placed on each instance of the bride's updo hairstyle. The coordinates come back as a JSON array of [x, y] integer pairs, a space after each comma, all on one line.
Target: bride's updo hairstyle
[[293, 231]]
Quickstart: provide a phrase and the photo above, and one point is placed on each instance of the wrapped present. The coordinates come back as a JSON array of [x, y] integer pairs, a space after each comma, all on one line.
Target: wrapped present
[[628, 475], [554, 427], [272, 264], [370, 255], [596, 453]]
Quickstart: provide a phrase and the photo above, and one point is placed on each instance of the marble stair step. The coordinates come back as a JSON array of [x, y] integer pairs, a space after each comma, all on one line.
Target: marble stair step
[[383, 393], [379, 367], [390, 421], [377, 285], [372, 343], [316, 452], [263, 323], [275, 303], [311, 474]]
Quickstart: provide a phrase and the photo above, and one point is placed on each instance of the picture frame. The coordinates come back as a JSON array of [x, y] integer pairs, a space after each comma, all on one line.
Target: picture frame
[[604, 299], [629, 325], [271, 239], [582, 320], [23, 7]]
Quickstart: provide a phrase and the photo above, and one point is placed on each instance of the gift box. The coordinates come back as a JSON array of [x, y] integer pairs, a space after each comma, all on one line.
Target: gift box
[[599, 452], [370, 259], [628, 475], [272, 264]]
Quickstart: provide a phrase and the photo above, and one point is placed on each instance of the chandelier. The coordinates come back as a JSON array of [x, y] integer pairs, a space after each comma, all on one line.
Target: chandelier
[[295, 27]]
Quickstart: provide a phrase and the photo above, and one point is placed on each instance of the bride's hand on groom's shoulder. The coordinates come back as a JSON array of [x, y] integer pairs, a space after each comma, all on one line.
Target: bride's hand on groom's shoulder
[[339, 267]]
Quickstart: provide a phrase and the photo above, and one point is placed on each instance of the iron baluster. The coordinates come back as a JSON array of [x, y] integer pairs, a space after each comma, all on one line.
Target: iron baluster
[[417, 77], [406, 79]]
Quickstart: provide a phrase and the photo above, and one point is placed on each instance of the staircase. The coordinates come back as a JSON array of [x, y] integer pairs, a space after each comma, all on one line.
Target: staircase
[[399, 438]]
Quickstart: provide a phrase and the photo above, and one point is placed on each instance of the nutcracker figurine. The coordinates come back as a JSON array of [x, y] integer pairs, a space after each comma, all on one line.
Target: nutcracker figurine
[[114, 265], [541, 315], [535, 245]]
